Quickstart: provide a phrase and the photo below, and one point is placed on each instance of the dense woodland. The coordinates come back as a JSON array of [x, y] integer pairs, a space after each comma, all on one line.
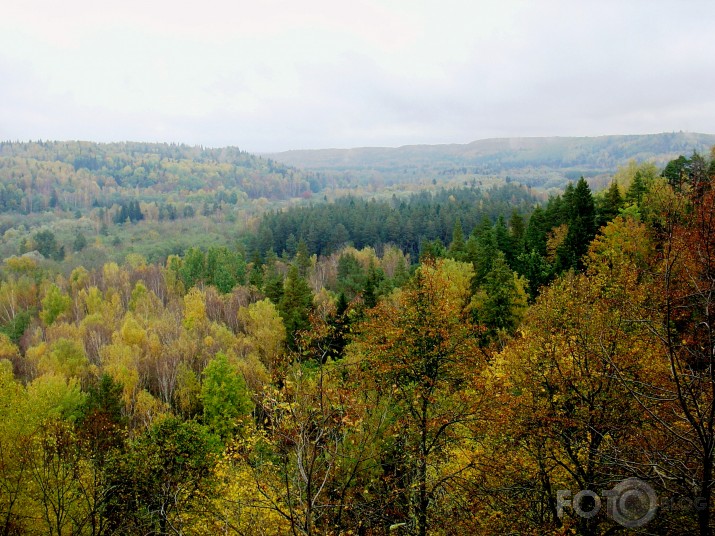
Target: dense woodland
[[441, 363], [543, 162]]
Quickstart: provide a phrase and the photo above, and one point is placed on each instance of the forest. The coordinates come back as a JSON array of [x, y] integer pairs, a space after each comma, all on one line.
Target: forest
[[546, 162], [466, 359]]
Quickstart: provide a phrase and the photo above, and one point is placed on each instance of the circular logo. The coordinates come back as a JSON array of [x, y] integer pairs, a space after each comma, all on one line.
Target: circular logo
[[632, 503]]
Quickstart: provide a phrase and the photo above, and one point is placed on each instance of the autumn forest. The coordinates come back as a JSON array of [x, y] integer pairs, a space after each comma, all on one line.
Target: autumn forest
[[203, 341]]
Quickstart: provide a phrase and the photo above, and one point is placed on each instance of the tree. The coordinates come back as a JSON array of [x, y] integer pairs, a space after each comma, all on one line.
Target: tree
[[536, 232], [500, 302], [581, 212], [56, 469], [15, 440], [609, 204], [418, 348], [54, 304], [224, 396], [46, 243], [163, 480], [295, 304], [265, 333], [457, 245], [517, 235], [676, 171], [682, 319], [575, 424], [80, 242]]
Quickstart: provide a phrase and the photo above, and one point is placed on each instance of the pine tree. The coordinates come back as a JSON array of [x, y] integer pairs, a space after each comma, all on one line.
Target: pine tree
[[457, 246]]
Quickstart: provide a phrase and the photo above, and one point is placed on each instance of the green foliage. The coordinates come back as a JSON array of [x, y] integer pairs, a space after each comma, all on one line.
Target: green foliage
[[55, 396], [16, 327], [224, 396], [46, 244], [410, 225], [457, 245], [218, 266], [164, 476], [500, 302], [351, 278], [80, 242], [385, 398], [609, 204], [295, 304], [581, 213], [54, 304]]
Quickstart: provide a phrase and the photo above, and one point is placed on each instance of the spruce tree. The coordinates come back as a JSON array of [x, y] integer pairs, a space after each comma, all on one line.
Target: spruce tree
[[610, 204], [582, 227], [457, 246], [295, 304]]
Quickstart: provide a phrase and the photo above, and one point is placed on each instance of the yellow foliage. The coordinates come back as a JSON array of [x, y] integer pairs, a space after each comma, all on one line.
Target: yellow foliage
[[555, 239], [7, 349], [148, 409], [135, 260], [131, 332], [247, 499], [65, 357], [265, 332], [194, 309], [79, 278], [20, 264], [120, 363], [62, 330]]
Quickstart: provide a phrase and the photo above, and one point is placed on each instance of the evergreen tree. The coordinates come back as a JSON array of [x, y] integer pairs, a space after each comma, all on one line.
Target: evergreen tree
[[224, 395], [517, 233], [302, 258], [676, 171], [499, 302], [501, 235], [457, 246], [351, 278], [484, 252], [535, 237], [582, 227], [610, 204], [295, 304], [374, 278], [536, 269], [432, 249], [272, 279], [637, 189]]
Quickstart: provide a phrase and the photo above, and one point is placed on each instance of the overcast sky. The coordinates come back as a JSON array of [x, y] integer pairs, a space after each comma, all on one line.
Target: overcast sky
[[269, 75]]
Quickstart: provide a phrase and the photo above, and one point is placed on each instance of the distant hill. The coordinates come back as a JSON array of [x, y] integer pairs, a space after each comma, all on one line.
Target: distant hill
[[567, 156], [80, 175]]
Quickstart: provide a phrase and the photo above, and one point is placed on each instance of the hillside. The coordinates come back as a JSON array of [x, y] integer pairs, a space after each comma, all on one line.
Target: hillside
[[39, 174], [534, 160]]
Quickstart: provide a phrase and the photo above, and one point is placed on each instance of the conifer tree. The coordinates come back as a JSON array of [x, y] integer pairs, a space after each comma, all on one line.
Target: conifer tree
[[610, 204], [294, 306], [457, 246]]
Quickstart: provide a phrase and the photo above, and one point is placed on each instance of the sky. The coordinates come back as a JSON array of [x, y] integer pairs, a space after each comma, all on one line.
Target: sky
[[269, 75]]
